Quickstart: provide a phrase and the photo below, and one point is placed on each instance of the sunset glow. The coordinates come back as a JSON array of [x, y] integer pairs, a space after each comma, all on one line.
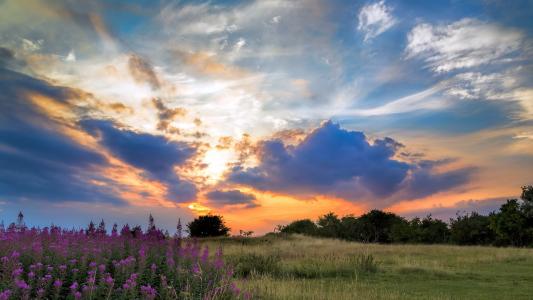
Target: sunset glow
[[261, 111]]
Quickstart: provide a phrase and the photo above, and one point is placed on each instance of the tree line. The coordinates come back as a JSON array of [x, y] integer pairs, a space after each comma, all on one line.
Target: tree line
[[511, 225]]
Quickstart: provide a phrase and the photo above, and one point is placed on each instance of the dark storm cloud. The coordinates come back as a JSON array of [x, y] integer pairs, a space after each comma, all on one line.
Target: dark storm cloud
[[142, 71], [231, 197], [37, 161], [152, 153], [334, 161]]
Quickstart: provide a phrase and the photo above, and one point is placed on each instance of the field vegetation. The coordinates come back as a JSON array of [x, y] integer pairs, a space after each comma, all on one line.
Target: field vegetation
[[280, 266], [378, 255]]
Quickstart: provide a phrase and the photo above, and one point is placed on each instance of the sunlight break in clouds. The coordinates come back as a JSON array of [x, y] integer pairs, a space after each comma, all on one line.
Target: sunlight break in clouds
[[263, 111], [374, 19]]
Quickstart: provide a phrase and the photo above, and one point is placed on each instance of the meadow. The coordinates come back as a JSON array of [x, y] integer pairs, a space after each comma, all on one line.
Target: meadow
[[301, 267], [53, 263]]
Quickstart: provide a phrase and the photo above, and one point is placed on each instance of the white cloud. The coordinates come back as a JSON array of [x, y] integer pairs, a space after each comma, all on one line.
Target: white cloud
[[239, 44], [475, 85], [428, 99], [71, 56], [374, 19], [503, 86], [31, 46], [463, 44]]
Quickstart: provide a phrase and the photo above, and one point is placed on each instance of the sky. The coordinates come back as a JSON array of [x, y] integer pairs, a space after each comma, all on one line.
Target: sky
[[262, 111]]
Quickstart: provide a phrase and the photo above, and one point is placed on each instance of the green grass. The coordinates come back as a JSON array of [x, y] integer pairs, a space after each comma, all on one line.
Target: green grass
[[299, 267]]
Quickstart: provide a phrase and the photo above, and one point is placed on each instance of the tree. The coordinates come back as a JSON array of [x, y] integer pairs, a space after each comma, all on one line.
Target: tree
[[350, 228], [527, 210], [508, 224], [471, 229], [376, 226], [527, 202], [329, 225], [208, 226], [404, 231], [304, 226], [433, 231]]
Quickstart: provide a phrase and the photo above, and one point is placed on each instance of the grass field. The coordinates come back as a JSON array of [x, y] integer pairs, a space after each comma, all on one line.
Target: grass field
[[299, 267]]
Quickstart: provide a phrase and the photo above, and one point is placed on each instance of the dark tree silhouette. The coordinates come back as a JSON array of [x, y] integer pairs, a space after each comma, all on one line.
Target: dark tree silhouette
[[305, 226], [329, 225], [208, 226], [471, 229]]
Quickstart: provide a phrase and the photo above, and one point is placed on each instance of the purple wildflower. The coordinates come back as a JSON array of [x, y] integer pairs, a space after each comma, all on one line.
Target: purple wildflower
[[5, 295], [196, 269], [77, 295], [21, 284], [148, 292], [17, 272], [205, 255], [58, 283]]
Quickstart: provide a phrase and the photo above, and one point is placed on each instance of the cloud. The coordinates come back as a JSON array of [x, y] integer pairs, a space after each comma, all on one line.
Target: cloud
[[464, 44], [428, 99], [341, 163], [511, 85], [481, 206], [154, 154], [374, 19], [142, 71], [6, 56], [8, 59], [207, 64], [167, 115], [231, 197], [39, 162]]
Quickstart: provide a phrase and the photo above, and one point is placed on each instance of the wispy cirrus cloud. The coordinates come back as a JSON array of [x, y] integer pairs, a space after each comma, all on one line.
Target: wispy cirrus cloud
[[463, 44], [374, 19]]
